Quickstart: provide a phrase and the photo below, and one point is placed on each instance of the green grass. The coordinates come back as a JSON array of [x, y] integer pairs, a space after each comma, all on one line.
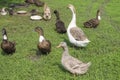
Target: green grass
[[103, 51]]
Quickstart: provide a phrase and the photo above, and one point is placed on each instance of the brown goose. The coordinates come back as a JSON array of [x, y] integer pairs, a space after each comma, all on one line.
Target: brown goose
[[44, 45], [93, 23], [72, 64], [60, 26], [7, 46]]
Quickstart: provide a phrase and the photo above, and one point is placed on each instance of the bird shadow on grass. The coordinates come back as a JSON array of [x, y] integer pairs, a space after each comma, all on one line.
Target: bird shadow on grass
[[5, 54], [34, 57]]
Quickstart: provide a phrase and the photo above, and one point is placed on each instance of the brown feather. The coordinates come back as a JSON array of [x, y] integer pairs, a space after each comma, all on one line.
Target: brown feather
[[8, 47], [45, 46], [91, 23]]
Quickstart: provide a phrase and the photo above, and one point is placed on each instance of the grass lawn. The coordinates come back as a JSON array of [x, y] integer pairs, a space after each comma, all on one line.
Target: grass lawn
[[103, 50]]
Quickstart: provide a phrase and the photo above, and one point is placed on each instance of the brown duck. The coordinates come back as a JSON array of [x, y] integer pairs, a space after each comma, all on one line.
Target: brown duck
[[7, 46], [36, 2], [93, 23], [44, 45], [60, 26]]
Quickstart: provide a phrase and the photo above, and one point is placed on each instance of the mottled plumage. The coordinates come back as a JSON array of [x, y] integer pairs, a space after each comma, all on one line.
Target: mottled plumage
[[39, 3], [72, 64], [47, 12], [7, 46], [30, 1], [93, 23], [78, 34], [44, 45]]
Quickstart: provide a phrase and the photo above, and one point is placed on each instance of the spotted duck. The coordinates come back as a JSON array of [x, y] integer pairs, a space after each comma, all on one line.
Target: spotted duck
[[93, 23], [44, 45], [7, 46]]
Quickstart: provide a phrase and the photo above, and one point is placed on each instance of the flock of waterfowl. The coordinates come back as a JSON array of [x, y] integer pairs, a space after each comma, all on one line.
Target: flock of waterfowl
[[75, 35]]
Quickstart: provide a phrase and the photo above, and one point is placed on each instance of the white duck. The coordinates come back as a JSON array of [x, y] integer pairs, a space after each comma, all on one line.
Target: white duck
[[75, 34], [3, 11], [72, 64]]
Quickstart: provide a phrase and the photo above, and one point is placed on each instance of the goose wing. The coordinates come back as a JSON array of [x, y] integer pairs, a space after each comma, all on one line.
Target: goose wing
[[78, 34]]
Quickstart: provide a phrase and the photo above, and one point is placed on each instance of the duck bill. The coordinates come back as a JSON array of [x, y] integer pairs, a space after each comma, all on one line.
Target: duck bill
[[58, 46]]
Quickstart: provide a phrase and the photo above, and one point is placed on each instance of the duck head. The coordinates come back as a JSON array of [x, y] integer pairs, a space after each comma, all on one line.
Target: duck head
[[98, 15], [41, 33], [4, 34], [62, 44], [39, 30]]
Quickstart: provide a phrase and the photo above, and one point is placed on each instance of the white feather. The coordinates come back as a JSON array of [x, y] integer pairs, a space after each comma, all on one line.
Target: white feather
[[41, 38], [5, 37], [99, 18]]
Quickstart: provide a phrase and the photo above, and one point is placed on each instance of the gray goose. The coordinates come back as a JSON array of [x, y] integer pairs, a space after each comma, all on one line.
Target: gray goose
[[93, 23], [7, 46], [44, 45], [60, 26], [73, 65]]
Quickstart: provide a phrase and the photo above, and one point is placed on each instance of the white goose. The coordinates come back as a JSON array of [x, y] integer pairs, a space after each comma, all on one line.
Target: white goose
[[3, 11], [76, 35]]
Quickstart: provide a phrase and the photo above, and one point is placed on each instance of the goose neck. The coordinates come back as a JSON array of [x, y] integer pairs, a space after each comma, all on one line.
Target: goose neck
[[73, 20]]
